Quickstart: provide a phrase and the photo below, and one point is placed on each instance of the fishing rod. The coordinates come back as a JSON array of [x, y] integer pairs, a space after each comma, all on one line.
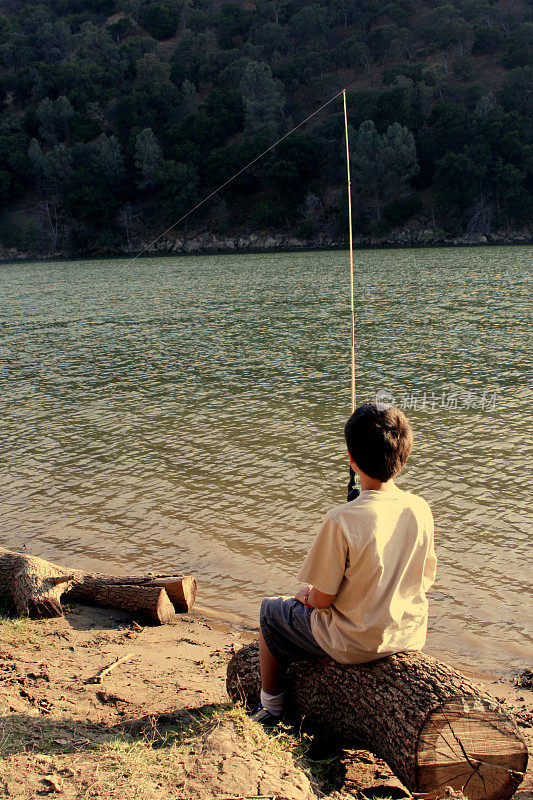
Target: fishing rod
[[353, 490]]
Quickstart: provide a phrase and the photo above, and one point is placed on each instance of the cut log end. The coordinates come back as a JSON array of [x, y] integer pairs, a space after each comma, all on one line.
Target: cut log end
[[473, 747], [164, 610], [181, 591]]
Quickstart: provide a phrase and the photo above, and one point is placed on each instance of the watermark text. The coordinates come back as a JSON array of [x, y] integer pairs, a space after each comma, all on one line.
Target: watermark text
[[450, 399]]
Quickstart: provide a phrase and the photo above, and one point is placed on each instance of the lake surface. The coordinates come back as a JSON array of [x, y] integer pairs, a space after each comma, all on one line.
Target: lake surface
[[186, 415]]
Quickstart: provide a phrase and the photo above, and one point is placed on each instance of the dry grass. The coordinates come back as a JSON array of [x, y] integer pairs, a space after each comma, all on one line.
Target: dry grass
[[93, 760], [15, 629], [100, 761]]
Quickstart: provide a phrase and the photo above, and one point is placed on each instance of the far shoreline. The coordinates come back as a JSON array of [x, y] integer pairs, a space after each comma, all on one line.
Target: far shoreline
[[206, 244]]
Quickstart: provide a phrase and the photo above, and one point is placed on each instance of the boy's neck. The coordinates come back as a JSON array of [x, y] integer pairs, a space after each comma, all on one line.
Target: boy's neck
[[368, 483], [372, 484]]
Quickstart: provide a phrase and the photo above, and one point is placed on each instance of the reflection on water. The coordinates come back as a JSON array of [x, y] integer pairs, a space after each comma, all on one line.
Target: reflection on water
[[185, 414]]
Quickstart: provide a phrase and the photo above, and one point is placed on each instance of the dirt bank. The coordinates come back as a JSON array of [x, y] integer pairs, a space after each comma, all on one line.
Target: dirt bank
[[159, 725], [205, 243]]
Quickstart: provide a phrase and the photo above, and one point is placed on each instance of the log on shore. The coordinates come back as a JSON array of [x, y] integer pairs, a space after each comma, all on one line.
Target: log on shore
[[36, 586], [180, 591], [152, 601], [433, 726], [33, 585]]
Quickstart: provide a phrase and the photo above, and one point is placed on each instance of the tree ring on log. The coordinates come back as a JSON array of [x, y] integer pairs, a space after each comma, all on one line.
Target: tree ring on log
[[468, 744]]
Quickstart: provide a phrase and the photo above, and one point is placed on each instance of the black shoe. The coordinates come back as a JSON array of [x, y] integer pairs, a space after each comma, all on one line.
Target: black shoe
[[264, 717]]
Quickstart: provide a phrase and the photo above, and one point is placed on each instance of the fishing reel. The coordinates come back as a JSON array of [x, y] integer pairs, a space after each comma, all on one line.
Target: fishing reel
[[353, 490]]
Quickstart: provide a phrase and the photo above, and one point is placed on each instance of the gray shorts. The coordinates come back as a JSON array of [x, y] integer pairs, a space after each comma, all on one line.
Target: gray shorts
[[286, 628]]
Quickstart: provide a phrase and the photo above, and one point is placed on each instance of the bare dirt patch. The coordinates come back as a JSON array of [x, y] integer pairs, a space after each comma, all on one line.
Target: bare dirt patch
[[159, 725]]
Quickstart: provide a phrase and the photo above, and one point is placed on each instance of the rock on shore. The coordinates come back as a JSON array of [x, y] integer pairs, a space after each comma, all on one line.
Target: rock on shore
[[207, 242]]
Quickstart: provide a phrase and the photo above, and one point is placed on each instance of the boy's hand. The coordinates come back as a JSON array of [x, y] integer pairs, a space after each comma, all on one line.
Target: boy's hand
[[316, 599], [300, 594]]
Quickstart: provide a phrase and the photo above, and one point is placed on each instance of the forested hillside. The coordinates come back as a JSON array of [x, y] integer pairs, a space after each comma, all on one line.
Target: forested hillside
[[118, 116]]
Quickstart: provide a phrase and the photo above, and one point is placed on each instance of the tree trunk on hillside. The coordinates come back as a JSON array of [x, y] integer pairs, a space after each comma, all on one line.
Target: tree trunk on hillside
[[36, 586], [434, 727]]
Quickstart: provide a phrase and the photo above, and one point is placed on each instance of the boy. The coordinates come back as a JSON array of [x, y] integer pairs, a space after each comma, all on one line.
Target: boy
[[368, 569]]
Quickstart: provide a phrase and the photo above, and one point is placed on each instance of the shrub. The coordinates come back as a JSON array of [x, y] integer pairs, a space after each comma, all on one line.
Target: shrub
[[161, 19], [120, 29], [399, 211], [197, 20], [267, 214], [463, 69], [380, 228], [5, 186], [519, 48], [306, 229], [22, 232], [487, 40]]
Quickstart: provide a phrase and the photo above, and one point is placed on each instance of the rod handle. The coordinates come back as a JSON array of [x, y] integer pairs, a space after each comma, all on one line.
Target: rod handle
[[353, 491]]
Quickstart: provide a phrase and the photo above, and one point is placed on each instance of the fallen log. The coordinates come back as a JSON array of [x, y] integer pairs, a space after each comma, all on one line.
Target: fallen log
[[433, 726], [181, 591], [33, 585], [151, 601], [36, 586]]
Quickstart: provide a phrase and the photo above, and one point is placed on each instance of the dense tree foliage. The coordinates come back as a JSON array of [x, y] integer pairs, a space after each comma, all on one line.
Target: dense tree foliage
[[118, 116]]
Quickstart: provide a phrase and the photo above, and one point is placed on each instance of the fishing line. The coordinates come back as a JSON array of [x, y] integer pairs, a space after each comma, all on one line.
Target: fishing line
[[223, 185], [353, 491]]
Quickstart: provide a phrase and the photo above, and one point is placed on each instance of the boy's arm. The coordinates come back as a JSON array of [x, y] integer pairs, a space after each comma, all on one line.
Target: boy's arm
[[315, 598], [324, 565], [430, 565]]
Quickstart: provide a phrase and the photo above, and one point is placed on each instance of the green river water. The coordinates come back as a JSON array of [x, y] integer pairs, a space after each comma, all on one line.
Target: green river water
[[185, 415]]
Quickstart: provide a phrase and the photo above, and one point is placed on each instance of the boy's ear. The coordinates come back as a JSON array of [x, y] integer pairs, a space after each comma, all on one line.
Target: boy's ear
[[352, 462]]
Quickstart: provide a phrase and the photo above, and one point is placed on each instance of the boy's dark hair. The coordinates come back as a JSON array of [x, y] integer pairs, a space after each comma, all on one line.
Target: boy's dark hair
[[379, 440]]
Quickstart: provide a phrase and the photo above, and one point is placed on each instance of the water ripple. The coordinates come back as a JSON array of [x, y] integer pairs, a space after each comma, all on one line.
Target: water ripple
[[186, 414]]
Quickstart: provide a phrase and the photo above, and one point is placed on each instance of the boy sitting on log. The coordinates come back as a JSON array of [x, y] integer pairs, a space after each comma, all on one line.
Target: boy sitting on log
[[368, 570]]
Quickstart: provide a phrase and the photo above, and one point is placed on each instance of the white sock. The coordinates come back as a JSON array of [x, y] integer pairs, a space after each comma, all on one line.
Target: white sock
[[273, 702]]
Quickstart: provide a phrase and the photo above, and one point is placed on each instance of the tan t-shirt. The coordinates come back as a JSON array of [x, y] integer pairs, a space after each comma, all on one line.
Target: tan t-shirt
[[376, 554]]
